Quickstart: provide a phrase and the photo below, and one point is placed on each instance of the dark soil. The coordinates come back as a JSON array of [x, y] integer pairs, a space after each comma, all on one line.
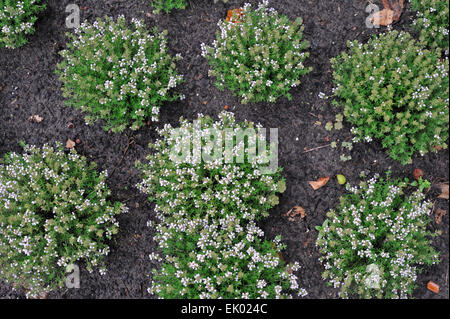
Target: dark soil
[[29, 86]]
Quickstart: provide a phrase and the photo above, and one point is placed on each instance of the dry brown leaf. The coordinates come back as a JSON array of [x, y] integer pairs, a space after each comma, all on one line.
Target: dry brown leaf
[[418, 173], [35, 118], [397, 7], [306, 243], [438, 215], [392, 11], [234, 15], [70, 144], [384, 17], [296, 211], [444, 191], [319, 183]]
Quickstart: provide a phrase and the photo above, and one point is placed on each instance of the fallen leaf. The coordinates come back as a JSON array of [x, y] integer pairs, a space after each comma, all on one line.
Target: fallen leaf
[[438, 215], [432, 286], [418, 173], [306, 243], [384, 17], [70, 144], [392, 11], [341, 179], [444, 191], [35, 119], [234, 15], [295, 211], [319, 183], [397, 7]]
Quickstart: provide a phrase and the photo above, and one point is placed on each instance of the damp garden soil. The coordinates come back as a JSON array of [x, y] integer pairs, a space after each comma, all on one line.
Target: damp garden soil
[[29, 86]]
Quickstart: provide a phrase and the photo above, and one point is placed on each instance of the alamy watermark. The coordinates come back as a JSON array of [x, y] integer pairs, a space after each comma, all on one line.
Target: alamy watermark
[[372, 21], [219, 147], [73, 19], [73, 278]]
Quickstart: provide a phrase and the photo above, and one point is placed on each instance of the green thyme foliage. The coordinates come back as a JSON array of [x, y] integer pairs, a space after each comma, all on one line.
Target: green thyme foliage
[[17, 18], [116, 73], [207, 211], [258, 56], [53, 212], [394, 90], [376, 242], [167, 5], [432, 21]]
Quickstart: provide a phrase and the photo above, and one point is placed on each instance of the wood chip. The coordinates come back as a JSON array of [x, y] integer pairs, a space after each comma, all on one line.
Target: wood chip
[[432, 286], [35, 118], [444, 191], [438, 215], [70, 144]]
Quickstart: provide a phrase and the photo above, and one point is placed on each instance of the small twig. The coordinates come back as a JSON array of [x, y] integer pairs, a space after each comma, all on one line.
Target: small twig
[[316, 148], [446, 277], [130, 141]]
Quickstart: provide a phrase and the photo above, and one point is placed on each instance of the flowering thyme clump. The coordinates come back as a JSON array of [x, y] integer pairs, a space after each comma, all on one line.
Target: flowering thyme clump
[[17, 18], [432, 22], [208, 212], [259, 54], [118, 74], [394, 90], [376, 241], [53, 213]]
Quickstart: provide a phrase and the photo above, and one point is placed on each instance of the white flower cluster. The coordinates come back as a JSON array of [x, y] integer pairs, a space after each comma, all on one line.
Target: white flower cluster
[[373, 245], [207, 230], [52, 214], [17, 19]]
